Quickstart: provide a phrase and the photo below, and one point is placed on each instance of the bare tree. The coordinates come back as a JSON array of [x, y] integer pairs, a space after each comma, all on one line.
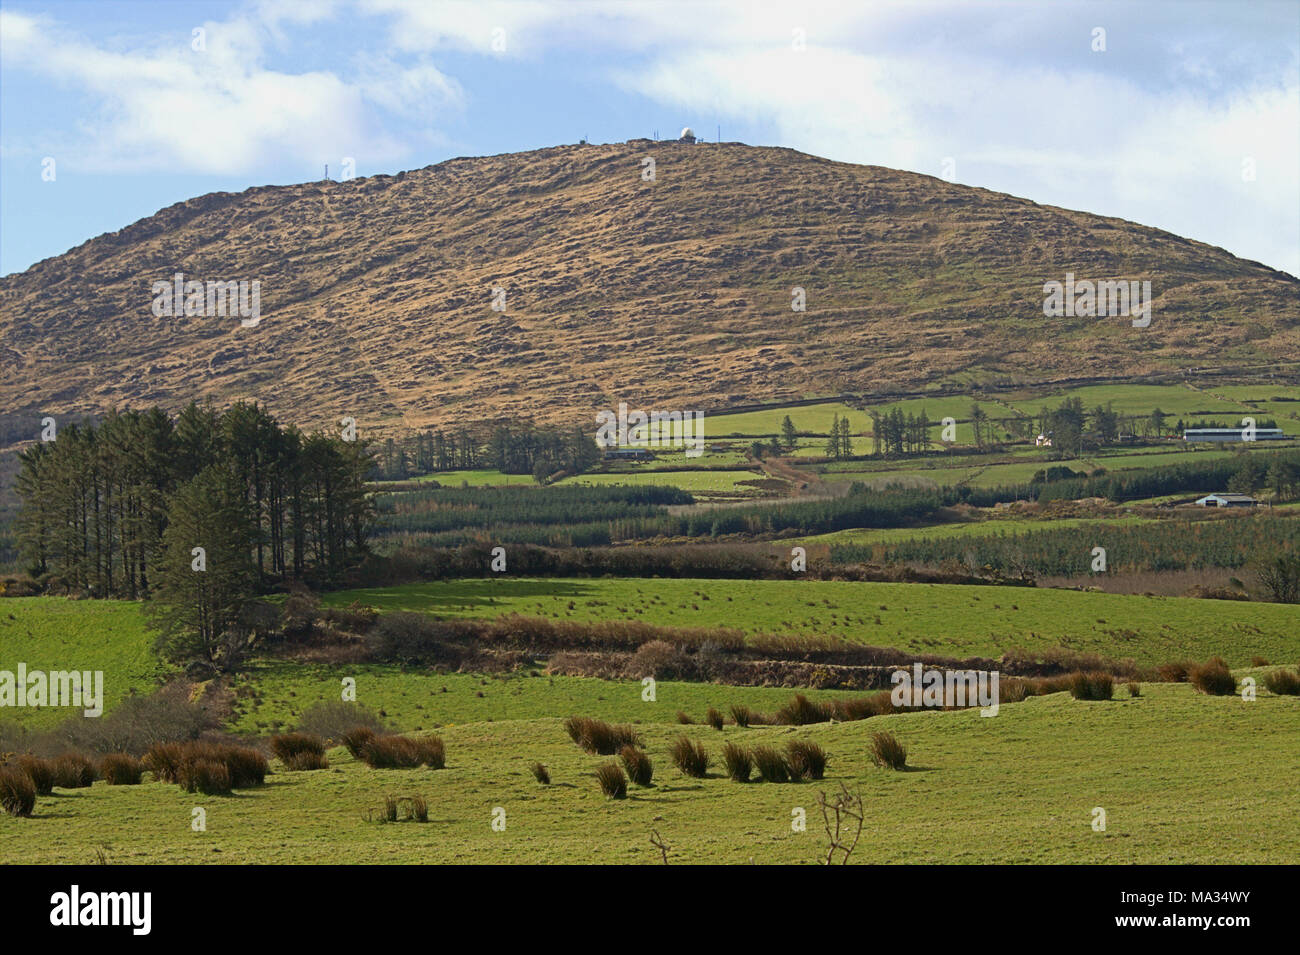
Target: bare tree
[[842, 814], [657, 841]]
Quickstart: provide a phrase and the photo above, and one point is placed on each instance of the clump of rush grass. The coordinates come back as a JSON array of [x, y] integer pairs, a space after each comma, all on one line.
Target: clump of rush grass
[[691, 758]]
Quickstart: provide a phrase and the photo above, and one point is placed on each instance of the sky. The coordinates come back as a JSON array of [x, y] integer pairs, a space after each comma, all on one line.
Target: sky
[[1180, 115]]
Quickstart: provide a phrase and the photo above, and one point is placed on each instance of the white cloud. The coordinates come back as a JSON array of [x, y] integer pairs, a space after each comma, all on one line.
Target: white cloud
[[220, 109]]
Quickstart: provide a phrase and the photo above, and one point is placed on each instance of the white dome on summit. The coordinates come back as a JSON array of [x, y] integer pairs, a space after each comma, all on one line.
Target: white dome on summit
[[687, 133]]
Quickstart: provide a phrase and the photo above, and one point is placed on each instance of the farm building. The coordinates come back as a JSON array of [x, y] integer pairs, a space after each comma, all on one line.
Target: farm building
[[1226, 500], [1232, 434], [627, 454]]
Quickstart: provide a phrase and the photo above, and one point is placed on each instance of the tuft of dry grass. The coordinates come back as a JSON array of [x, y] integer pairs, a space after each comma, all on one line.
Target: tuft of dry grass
[[541, 774], [639, 768], [690, 758], [17, 791], [1213, 678], [739, 762], [598, 737], [120, 769], [887, 752], [612, 781], [771, 765], [806, 760]]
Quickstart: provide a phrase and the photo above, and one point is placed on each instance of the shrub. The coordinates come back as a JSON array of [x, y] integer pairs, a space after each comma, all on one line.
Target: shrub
[[356, 739], [1134, 691], [390, 808], [1258, 661], [390, 752], [41, 772], [290, 744], [120, 769], [433, 752], [541, 774], [1174, 672], [203, 775], [336, 719], [599, 737], [684, 718], [639, 768], [402, 752], [419, 809], [690, 758], [1283, 682], [1095, 685], [17, 791], [771, 765], [245, 765], [661, 660], [741, 714], [801, 711], [612, 781], [73, 771], [713, 718], [888, 752], [861, 707], [738, 761], [164, 761], [306, 761], [1213, 678], [806, 760]]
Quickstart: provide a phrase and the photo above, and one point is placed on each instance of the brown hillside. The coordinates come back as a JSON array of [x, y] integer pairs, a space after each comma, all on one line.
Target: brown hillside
[[666, 294]]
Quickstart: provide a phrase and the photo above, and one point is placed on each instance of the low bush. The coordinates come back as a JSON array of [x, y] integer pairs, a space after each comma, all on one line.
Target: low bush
[[806, 760], [300, 751], [121, 769], [741, 714], [801, 711], [690, 758], [402, 752], [887, 752], [738, 761], [73, 771], [356, 739], [336, 719], [243, 766], [1213, 678], [541, 774], [202, 775], [612, 781], [17, 791], [714, 718], [639, 768], [771, 765], [40, 770], [1095, 685], [598, 737], [1134, 691], [1283, 682]]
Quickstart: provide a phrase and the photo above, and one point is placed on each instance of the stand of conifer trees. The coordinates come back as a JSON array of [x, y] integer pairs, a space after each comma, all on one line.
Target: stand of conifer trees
[[97, 500]]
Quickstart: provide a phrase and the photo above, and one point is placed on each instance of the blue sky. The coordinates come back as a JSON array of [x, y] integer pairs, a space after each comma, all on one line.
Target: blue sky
[[1188, 119]]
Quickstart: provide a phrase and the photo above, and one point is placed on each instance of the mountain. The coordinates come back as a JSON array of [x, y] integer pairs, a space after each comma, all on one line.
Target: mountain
[[670, 293]]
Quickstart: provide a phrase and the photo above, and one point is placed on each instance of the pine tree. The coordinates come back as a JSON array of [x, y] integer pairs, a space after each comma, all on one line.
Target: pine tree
[[197, 606], [846, 441], [789, 434], [833, 441]]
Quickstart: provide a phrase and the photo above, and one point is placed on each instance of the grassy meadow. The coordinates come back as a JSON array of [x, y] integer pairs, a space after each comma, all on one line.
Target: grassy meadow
[[1182, 778]]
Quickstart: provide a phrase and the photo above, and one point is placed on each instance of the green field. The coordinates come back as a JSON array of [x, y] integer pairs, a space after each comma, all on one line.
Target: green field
[[694, 482], [53, 633], [1182, 778], [934, 618], [895, 535]]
